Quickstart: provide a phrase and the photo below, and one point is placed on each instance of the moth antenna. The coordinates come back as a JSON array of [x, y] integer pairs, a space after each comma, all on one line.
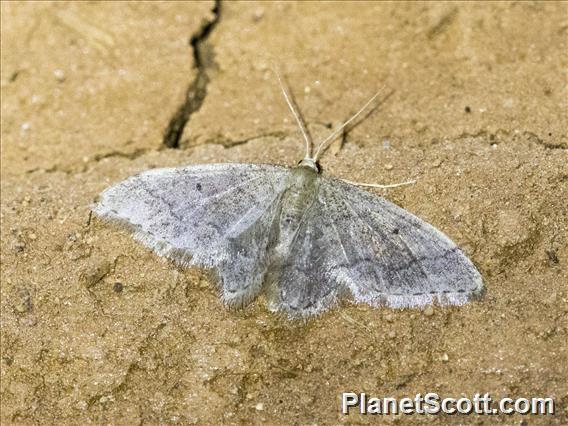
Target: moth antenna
[[331, 138], [296, 112], [376, 185]]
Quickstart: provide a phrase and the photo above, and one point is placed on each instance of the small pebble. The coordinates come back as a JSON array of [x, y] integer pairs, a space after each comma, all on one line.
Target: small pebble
[[429, 311], [94, 272], [258, 14], [25, 301], [259, 406], [21, 308], [30, 321], [59, 74], [552, 256], [436, 163], [445, 357]]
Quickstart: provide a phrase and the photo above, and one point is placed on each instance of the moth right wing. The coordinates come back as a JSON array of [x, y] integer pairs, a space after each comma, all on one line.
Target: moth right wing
[[218, 216], [353, 242], [386, 255]]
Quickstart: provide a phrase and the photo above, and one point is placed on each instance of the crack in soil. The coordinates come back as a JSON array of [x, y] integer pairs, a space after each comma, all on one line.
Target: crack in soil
[[112, 154], [197, 90], [528, 135], [230, 143], [73, 169]]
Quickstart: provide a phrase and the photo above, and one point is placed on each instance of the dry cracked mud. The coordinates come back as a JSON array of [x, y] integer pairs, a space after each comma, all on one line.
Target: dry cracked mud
[[97, 329]]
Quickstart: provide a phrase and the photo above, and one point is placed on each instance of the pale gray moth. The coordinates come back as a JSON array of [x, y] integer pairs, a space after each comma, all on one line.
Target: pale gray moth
[[302, 239]]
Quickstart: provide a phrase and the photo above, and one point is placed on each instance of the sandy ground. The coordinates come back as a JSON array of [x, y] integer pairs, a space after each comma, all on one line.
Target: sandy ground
[[97, 329]]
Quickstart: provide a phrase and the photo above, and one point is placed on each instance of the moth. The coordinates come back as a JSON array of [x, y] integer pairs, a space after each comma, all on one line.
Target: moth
[[302, 239]]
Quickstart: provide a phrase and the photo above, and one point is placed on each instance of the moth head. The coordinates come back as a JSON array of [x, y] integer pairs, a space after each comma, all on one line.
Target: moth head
[[309, 163]]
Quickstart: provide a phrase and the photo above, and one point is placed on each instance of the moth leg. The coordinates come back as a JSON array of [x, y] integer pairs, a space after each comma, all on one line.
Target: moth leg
[[376, 185]]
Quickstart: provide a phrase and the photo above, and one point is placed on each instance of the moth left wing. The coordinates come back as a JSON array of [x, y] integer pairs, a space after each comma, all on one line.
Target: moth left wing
[[217, 216]]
